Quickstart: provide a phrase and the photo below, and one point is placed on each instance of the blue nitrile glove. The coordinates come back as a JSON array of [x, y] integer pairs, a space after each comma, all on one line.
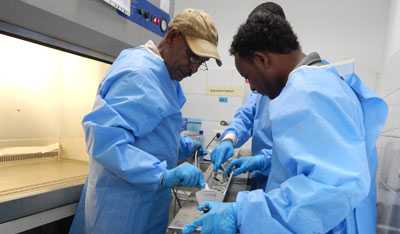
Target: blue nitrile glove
[[221, 153], [188, 146], [220, 218], [184, 175], [202, 151], [248, 164]]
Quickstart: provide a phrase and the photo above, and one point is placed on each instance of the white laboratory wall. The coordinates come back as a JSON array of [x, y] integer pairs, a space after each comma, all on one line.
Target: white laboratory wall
[[341, 30], [389, 83], [338, 30], [44, 94], [393, 38]]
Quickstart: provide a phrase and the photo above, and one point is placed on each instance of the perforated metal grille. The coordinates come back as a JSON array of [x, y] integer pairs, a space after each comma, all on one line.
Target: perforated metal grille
[[20, 157]]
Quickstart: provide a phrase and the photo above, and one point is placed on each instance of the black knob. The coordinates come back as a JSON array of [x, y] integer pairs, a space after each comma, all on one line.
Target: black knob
[[140, 11], [146, 15]]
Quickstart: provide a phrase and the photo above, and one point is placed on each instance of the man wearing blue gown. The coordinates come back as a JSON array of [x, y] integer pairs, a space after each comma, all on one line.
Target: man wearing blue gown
[[133, 133], [250, 120], [324, 127]]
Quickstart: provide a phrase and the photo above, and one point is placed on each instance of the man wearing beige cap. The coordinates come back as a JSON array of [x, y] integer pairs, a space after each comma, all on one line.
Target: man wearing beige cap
[[132, 134]]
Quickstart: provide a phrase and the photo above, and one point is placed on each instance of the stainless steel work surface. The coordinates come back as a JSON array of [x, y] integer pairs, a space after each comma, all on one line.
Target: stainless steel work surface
[[38, 185], [18, 180]]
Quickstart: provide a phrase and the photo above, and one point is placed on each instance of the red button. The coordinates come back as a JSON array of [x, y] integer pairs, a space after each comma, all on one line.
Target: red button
[[156, 20]]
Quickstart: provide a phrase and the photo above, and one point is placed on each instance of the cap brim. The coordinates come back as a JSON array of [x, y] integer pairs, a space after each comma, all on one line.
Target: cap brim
[[203, 48]]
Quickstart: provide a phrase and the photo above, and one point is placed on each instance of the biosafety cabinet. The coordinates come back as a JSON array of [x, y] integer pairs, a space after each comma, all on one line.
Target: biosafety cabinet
[[53, 56]]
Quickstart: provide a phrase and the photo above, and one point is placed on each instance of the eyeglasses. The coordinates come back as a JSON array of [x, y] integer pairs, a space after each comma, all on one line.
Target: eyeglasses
[[196, 60]]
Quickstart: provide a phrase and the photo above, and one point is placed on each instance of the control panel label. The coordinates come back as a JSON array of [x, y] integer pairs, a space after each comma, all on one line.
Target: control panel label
[[122, 5]]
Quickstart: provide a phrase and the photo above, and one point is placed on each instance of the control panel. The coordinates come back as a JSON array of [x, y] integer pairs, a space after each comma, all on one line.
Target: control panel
[[148, 16]]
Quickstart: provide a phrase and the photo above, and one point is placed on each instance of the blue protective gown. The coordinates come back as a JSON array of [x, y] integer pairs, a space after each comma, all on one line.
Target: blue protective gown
[[323, 166], [132, 138], [252, 120]]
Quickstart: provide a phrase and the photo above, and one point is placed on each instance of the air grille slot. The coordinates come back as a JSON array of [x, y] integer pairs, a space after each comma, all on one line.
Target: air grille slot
[[20, 157], [21, 153]]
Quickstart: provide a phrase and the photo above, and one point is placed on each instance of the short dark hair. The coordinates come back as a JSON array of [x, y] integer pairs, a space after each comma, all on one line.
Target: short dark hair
[[271, 7], [264, 32]]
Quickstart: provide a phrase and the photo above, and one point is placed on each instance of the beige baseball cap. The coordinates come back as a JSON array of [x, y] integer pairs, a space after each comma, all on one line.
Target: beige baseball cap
[[199, 31]]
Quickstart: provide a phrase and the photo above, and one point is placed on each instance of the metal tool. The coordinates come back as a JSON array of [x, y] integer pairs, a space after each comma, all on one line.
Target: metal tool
[[196, 158], [224, 175], [208, 194], [176, 197], [215, 188], [217, 136]]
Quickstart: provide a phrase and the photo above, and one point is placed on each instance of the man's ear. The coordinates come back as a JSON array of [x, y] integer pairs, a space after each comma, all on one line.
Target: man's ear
[[261, 60]]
